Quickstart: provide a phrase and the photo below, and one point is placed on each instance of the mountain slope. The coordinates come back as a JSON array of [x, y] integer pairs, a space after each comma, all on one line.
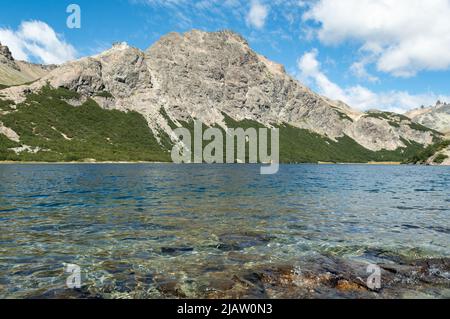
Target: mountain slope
[[436, 154], [218, 79], [14, 72], [218, 72], [436, 117], [46, 128]]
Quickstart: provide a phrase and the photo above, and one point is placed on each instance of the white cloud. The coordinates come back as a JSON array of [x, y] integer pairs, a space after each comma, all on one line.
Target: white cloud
[[407, 36], [37, 40], [9, 38], [359, 96], [358, 69], [257, 15]]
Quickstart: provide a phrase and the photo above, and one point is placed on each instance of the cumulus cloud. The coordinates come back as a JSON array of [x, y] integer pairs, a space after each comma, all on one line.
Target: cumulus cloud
[[359, 69], [36, 40], [257, 15], [406, 36], [360, 97]]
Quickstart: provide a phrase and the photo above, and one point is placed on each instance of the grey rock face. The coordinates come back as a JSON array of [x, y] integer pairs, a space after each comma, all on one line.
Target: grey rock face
[[436, 117], [446, 157], [5, 55], [203, 75], [14, 72], [9, 133], [6, 58], [200, 73], [121, 71]]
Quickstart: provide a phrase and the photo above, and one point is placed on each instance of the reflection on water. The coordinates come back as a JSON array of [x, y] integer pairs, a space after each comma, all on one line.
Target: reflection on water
[[145, 229]]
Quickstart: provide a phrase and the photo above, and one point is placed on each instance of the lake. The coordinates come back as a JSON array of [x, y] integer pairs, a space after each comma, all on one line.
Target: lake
[[206, 231]]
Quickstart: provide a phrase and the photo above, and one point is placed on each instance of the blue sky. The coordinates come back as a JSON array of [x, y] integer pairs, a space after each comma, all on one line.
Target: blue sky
[[385, 54]]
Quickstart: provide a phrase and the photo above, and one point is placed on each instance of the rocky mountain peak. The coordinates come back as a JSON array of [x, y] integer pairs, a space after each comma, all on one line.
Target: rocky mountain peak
[[207, 75], [198, 36], [436, 117], [118, 46], [6, 53], [440, 103], [15, 72], [7, 59]]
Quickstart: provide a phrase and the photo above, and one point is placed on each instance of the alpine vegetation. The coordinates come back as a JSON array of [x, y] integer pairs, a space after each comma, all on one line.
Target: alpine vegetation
[[237, 142]]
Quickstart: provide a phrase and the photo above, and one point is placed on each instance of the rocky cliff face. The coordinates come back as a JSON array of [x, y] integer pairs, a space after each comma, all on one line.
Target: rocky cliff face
[[436, 117], [441, 157], [435, 154], [206, 75], [14, 72], [6, 57]]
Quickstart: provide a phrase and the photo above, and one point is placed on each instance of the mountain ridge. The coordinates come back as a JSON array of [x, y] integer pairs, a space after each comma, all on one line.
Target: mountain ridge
[[205, 76], [436, 117], [15, 72]]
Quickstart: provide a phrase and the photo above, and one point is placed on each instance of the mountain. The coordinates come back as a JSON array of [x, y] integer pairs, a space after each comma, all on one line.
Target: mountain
[[14, 72], [436, 154], [214, 77], [436, 117]]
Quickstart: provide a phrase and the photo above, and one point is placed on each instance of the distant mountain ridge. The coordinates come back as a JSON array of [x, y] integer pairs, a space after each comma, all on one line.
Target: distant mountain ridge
[[436, 117], [218, 79], [13, 72]]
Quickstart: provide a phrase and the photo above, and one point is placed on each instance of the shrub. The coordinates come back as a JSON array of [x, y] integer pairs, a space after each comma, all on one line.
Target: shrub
[[440, 158], [104, 94]]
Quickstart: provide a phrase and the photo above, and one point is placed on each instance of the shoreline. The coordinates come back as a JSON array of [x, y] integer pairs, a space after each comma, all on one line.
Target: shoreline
[[323, 276], [76, 163], [323, 163], [145, 162]]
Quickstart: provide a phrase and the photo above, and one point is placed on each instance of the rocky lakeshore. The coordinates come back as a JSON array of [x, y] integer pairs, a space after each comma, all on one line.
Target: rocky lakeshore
[[308, 277], [310, 231], [319, 277], [86, 109]]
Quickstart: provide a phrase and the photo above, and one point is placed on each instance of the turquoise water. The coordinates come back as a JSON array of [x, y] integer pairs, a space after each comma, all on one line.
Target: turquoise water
[[183, 221]]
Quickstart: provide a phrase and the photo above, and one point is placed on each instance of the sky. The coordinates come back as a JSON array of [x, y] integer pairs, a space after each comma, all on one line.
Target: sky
[[392, 55]]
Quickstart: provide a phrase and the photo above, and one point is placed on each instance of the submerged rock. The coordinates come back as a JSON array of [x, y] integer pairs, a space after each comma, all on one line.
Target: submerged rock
[[318, 276], [240, 241], [65, 293], [176, 250], [169, 287], [334, 277]]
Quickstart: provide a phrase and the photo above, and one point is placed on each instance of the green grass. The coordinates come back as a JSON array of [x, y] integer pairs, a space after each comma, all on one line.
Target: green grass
[[5, 145], [440, 158], [387, 116], [343, 116], [47, 92], [5, 105], [231, 123], [378, 115], [67, 133], [91, 132], [3, 86], [104, 94], [422, 156], [393, 119], [419, 127], [163, 112], [303, 146]]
